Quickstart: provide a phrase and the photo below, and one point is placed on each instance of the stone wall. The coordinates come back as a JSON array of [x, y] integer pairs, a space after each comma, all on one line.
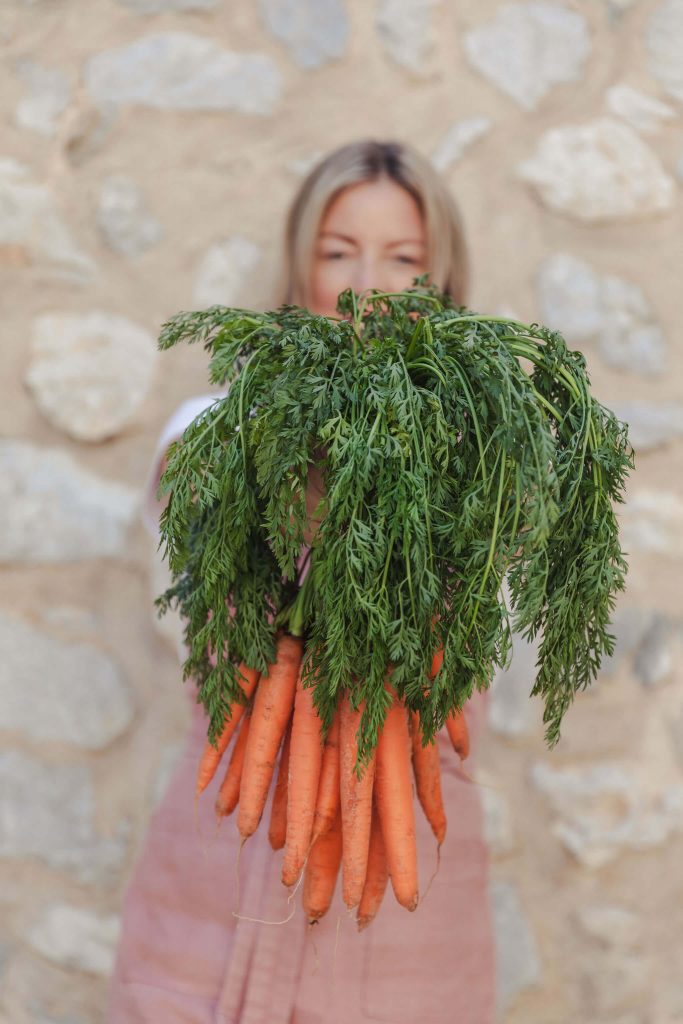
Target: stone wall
[[149, 151]]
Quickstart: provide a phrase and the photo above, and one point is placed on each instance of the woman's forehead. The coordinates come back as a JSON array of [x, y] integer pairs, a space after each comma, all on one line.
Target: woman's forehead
[[377, 202]]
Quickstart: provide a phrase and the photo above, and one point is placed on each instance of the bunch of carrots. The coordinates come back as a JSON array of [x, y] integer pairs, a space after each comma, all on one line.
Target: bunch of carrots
[[324, 812]]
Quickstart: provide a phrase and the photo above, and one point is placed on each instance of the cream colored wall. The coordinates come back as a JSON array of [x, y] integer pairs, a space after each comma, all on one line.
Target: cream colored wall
[[558, 128]]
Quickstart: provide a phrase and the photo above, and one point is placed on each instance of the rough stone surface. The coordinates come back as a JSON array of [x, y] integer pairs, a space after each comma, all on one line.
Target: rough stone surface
[[518, 964], [629, 339], [458, 139], [629, 626], [664, 40], [168, 764], [667, 997], [87, 131], [604, 309], [69, 693], [76, 937], [655, 661], [47, 812], [158, 6], [38, 991], [71, 619], [48, 95], [52, 510], [642, 112], [223, 270], [498, 828], [530, 47], [123, 218], [610, 925], [650, 425], [674, 727], [512, 712], [29, 222], [613, 980], [597, 171], [302, 165], [404, 27], [652, 520], [606, 808], [314, 31], [181, 71], [170, 626], [619, 7], [90, 372]]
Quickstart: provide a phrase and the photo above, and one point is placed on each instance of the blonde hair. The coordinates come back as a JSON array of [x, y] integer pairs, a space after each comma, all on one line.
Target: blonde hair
[[368, 160]]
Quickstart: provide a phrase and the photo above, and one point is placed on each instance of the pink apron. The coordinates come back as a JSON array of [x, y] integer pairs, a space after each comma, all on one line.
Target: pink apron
[[184, 956], [191, 953]]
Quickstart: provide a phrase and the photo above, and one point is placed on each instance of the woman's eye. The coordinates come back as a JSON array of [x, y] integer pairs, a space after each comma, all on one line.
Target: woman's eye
[[333, 255], [405, 259]]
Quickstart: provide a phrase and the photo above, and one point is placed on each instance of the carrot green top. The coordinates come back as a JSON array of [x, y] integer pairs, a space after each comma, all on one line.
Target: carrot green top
[[447, 465]]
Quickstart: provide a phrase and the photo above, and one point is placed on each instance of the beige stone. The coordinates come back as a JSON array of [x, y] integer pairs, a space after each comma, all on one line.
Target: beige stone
[[597, 171], [664, 39], [52, 510], [223, 271], [90, 372], [405, 29], [606, 808], [123, 217], [60, 692], [30, 221], [518, 961], [180, 70], [47, 96], [642, 112], [528, 48], [604, 310], [458, 139], [48, 815], [76, 937], [610, 925], [652, 521], [314, 31]]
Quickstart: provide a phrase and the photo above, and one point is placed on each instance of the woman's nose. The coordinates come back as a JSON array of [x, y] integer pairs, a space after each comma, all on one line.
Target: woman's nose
[[367, 275], [362, 280]]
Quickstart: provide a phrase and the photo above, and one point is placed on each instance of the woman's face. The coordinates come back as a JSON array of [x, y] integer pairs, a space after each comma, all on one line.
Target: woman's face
[[371, 236]]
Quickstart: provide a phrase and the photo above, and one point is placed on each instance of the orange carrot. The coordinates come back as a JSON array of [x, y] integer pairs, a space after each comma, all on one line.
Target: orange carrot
[[427, 769], [437, 662], [377, 875], [304, 774], [356, 804], [211, 755], [394, 792], [229, 793], [456, 724], [278, 810], [322, 868], [272, 710], [327, 800]]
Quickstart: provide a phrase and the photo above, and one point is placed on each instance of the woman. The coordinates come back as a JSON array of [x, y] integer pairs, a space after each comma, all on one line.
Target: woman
[[196, 950]]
